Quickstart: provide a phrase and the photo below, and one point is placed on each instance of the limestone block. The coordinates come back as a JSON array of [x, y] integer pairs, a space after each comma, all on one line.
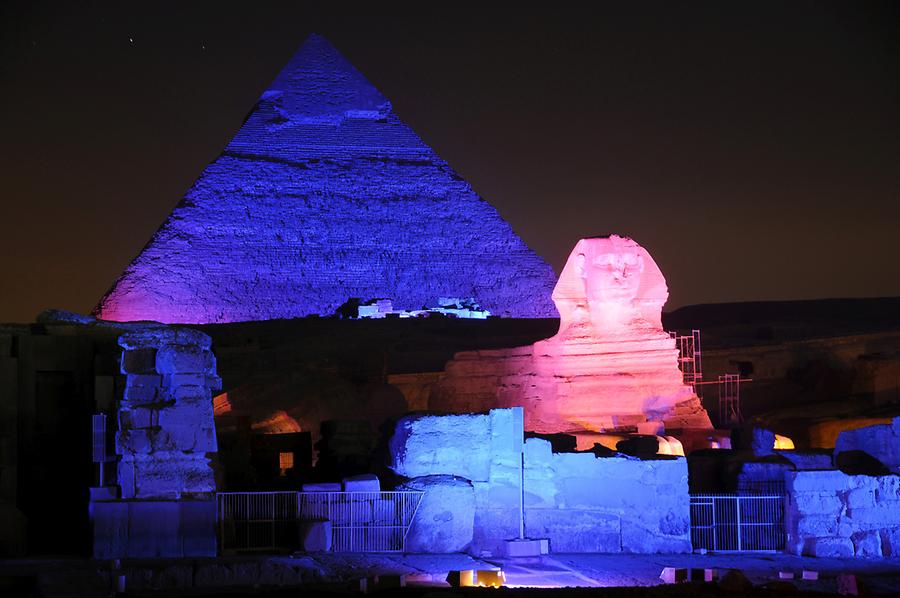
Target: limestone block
[[445, 518], [818, 504], [181, 359], [638, 539], [179, 379], [165, 475], [195, 411], [156, 335], [138, 416], [109, 520], [496, 496], [860, 498], [569, 465], [198, 528], [882, 515], [322, 487], [816, 481], [880, 442], [362, 483], [153, 380], [188, 392], [888, 488], [830, 547], [458, 445], [890, 541], [538, 453], [867, 544], [816, 526], [141, 394], [493, 527], [161, 528], [586, 493], [507, 433], [315, 536], [573, 530], [153, 529]]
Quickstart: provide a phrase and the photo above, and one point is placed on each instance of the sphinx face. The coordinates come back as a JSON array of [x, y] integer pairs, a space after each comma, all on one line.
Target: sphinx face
[[612, 276]]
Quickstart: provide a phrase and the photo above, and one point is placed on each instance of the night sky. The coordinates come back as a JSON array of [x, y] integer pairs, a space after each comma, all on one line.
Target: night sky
[[753, 148]]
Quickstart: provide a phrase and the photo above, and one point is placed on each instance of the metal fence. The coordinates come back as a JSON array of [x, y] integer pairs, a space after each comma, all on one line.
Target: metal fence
[[360, 521], [737, 522]]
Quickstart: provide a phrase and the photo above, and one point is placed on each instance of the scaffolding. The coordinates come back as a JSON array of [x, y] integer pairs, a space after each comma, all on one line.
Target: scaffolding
[[689, 361], [730, 399]]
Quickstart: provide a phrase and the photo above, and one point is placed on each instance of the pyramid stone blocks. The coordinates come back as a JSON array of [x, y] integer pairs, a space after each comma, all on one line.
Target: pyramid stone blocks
[[324, 195]]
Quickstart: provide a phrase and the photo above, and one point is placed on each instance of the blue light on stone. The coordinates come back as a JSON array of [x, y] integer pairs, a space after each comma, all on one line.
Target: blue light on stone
[[324, 195]]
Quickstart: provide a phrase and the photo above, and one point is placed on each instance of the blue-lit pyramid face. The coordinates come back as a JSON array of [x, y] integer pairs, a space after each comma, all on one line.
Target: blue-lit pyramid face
[[324, 195]]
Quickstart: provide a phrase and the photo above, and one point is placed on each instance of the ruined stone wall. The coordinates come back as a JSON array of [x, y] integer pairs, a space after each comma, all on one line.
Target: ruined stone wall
[[587, 504], [581, 503], [832, 514], [166, 436], [166, 442]]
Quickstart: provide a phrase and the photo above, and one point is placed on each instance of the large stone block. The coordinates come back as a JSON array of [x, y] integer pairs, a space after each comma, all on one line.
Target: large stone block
[[639, 539], [811, 503], [890, 541], [823, 482], [165, 475], [572, 530], [538, 453], [829, 547], [183, 359], [867, 544], [493, 527], [880, 442], [153, 529], [445, 519], [362, 483], [110, 522], [198, 527], [148, 529], [457, 445]]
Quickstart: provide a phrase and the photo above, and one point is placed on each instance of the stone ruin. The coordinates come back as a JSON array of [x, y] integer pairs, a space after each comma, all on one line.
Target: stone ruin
[[164, 501], [610, 367], [324, 194], [479, 473]]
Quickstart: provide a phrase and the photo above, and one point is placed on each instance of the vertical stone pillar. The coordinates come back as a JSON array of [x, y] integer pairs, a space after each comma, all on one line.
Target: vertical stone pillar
[[166, 441]]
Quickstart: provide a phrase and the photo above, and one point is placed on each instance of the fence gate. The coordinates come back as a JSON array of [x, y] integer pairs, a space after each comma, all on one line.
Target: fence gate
[[360, 521], [738, 522]]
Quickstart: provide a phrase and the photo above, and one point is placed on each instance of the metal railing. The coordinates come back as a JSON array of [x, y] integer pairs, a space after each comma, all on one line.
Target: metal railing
[[360, 521], [737, 522]]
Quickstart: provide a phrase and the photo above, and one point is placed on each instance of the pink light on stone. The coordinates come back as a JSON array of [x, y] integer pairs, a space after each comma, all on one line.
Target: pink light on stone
[[610, 366]]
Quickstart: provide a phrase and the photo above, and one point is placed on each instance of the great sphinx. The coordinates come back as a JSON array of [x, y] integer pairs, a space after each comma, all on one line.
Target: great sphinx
[[610, 367]]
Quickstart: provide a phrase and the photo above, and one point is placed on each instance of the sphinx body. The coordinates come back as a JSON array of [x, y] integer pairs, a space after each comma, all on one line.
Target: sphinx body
[[610, 367]]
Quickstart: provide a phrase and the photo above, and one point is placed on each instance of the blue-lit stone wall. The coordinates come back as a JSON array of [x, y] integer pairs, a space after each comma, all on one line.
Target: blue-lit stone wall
[[832, 514], [325, 195], [579, 502], [166, 445]]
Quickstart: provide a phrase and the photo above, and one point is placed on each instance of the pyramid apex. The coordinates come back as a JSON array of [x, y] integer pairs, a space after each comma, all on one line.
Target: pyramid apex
[[319, 82]]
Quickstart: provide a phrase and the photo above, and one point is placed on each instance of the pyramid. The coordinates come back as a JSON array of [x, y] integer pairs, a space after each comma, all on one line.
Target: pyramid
[[324, 195]]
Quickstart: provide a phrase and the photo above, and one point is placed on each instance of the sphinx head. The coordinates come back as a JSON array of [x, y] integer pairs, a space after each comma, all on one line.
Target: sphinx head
[[609, 284]]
